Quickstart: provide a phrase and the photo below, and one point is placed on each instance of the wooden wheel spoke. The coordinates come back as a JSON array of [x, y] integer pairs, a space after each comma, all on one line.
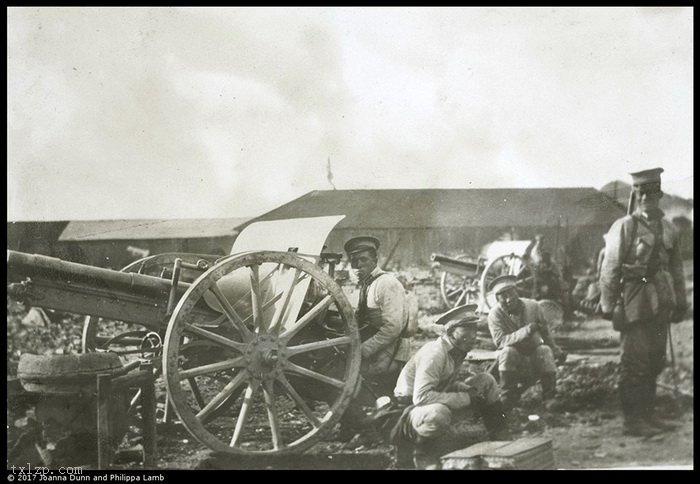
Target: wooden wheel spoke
[[227, 391], [243, 414], [218, 321], [299, 401], [246, 295], [268, 392], [256, 299], [269, 303], [213, 367], [281, 309], [300, 370], [230, 312], [216, 338], [317, 345], [306, 318], [195, 391]]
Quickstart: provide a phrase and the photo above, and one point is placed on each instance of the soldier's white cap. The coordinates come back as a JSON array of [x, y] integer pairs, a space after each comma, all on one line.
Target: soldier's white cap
[[361, 243], [469, 319], [650, 180], [501, 283]]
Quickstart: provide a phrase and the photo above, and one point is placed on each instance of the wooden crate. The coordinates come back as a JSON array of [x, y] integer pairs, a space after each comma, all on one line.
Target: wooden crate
[[524, 454]]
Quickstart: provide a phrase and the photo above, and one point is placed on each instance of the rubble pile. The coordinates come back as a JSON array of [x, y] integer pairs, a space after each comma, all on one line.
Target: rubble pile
[[41, 333], [583, 386]]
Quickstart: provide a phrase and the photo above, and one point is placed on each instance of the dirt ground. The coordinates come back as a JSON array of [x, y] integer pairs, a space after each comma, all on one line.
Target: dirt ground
[[586, 429], [585, 425]]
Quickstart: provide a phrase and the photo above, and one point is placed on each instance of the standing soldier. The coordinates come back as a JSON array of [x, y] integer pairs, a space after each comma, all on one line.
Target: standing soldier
[[642, 291]]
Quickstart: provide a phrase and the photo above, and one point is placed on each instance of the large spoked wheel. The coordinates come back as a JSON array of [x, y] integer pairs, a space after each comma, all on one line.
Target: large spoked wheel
[[509, 264], [279, 371], [456, 289]]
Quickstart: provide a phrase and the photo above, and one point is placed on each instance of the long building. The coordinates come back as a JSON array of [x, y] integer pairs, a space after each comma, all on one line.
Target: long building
[[115, 243], [412, 224]]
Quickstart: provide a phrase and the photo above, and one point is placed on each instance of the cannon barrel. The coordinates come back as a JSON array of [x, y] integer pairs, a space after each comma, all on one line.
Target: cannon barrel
[[35, 266], [456, 266], [52, 283]]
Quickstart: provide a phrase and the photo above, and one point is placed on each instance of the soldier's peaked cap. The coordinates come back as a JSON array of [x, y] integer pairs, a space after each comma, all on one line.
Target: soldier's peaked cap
[[469, 319], [647, 176], [361, 243], [501, 283]]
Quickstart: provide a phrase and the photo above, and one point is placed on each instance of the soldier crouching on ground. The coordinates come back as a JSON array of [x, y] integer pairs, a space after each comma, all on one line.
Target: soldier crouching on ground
[[430, 385], [527, 352], [642, 291]]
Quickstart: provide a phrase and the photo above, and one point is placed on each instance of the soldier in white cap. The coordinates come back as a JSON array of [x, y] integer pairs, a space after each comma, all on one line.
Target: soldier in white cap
[[527, 352], [642, 291], [430, 385], [381, 315], [380, 312]]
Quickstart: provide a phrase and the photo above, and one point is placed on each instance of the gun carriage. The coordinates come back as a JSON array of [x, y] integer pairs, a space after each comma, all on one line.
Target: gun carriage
[[259, 350], [465, 279]]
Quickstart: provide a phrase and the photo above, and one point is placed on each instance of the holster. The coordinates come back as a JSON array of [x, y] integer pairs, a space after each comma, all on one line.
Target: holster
[[619, 321]]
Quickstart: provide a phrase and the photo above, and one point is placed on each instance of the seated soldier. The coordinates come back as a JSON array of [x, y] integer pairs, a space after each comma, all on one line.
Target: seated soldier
[[430, 385], [526, 350], [381, 317]]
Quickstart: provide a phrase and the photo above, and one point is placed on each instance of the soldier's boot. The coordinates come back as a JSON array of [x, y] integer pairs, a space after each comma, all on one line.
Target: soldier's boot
[[352, 423], [638, 427], [510, 392], [425, 455], [650, 409], [496, 421], [403, 457], [549, 386], [548, 382], [633, 401]]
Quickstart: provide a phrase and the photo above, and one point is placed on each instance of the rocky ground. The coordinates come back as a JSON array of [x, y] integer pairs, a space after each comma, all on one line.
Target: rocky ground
[[584, 424]]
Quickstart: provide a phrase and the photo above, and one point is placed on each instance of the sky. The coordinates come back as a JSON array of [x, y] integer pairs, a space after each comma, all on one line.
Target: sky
[[140, 113]]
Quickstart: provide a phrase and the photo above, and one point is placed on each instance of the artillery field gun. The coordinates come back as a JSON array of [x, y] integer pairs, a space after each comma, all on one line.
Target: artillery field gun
[[243, 340], [465, 280]]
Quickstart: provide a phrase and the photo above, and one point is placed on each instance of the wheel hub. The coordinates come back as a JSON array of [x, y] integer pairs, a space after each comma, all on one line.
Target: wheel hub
[[265, 357]]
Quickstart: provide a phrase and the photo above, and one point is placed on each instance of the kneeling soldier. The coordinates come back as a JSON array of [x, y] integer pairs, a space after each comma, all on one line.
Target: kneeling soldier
[[429, 383]]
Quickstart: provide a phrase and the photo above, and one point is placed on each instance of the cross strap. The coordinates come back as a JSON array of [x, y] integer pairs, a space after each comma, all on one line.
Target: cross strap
[[364, 287]]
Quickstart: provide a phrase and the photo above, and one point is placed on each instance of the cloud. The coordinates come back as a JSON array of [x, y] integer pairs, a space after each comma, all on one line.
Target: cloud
[[216, 112]]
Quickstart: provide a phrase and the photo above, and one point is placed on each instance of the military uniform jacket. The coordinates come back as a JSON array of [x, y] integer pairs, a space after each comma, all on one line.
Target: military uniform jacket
[[513, 330], [385, 313], [430, 376], [648, 280]]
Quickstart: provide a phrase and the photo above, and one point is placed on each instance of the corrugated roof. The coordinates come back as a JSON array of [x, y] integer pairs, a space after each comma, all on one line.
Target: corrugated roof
[[502, 207], [150, 229]]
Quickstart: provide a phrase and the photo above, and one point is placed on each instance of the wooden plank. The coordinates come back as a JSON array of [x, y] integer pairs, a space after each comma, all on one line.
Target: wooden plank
[[104, 437], [148, 416], [523, 447]]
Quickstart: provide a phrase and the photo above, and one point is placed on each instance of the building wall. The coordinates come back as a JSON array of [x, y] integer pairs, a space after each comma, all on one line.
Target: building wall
[[34, 237], [413, 247], [115, 254]]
